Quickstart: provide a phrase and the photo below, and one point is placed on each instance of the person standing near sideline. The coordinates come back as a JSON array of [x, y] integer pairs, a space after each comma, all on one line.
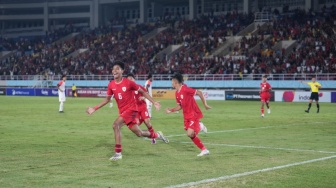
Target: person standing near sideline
[[61, 93], [148, 86], [314, 86], [74, 90], [265, 95]]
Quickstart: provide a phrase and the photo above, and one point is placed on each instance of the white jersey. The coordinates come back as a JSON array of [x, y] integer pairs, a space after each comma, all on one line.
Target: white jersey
[[61, 95], [149, 85]]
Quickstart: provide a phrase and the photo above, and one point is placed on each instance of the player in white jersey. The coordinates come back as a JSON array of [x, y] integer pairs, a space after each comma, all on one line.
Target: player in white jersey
[[61, 92], [148, 86]]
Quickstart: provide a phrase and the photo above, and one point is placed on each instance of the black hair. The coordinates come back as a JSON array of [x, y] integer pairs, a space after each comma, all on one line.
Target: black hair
[[131, 75], [264, 76], [149, 76], [63, 76], [178, 77], [120, 64], [314, 77]]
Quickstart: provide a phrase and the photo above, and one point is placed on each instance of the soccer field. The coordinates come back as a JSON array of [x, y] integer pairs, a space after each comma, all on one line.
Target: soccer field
[[42, 148]]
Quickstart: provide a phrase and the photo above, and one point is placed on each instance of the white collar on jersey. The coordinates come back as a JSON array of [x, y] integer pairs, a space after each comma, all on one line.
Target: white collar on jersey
[[120, 81], [180, 88]]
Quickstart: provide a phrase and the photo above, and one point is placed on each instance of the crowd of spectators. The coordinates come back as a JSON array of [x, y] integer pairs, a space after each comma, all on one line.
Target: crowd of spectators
[[315, 52], [314, 33]]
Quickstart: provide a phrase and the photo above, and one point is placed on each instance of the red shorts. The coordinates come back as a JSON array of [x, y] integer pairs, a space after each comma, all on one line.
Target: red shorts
[[265, 97], [193, 124], [130, 118], [142, 115]]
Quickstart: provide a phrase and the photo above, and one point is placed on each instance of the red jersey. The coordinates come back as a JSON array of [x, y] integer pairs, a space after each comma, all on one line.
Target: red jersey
[[265, 87], [123, 93], [140, 103], [61, 85], [185, 98]]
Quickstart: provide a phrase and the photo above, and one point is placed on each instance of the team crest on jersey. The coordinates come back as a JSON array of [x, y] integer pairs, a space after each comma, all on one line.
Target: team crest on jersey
[[124, 89], [136, 92], [181, 96]]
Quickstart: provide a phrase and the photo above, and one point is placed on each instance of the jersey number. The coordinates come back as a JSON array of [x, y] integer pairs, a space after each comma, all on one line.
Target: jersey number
[[119, 96]]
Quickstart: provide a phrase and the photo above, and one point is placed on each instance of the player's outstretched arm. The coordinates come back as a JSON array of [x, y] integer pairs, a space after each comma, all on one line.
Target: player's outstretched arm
[[170, 110], [91, 110], [200, 94], [147, 96]]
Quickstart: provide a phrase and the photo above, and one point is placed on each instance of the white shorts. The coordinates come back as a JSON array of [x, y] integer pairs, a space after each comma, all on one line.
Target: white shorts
[[61, 96], [148, 103]]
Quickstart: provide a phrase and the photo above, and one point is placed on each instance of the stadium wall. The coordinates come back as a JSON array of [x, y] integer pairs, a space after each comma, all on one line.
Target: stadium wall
[[218, 84]]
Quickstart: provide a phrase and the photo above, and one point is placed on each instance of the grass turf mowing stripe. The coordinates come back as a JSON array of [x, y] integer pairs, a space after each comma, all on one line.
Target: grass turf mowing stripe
[[263, 147], [254, 128], [250, 173]]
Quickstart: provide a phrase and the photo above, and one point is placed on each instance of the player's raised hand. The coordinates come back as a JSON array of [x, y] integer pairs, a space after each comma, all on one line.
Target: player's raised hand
[[207, 107], [90, 110], [157, 105]]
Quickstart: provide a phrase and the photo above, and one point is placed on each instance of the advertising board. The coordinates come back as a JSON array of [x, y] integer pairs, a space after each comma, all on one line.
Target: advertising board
[[300, 96], [89, 92], [213, 95], [163, 94], [2, 91], [46, 92], [245, 95], [20, 92]]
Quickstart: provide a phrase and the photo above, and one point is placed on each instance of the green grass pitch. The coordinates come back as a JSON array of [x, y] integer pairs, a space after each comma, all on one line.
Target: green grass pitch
[[40, 147]]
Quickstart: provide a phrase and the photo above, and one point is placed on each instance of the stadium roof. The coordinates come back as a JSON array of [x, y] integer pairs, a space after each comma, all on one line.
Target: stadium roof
[[42, 1], [32, 1]]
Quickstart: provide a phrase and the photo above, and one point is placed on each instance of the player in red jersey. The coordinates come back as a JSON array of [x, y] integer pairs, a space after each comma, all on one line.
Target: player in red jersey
[[265, 95], [191, 112], [123, 91], [143, 114]]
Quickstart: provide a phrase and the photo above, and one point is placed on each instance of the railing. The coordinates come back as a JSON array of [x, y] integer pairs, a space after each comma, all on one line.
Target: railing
[[209, 77]]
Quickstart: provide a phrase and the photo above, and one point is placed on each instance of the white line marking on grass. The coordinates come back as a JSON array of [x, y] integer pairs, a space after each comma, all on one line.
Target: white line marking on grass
[[247, 129], [224, 131], [250, 173], [263, 147]]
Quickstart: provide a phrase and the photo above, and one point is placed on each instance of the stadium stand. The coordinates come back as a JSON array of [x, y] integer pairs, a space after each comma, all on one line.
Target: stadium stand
[[92, 52]]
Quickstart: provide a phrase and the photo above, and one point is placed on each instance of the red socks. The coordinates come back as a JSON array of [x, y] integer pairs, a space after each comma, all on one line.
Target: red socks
[[118, 148], [198, 143], [262, 111], [153, 135], [150, 129]]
